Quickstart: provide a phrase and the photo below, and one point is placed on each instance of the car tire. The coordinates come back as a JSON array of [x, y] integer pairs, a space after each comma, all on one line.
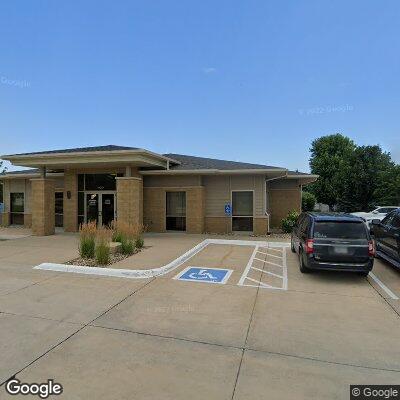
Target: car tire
[[292, 246], [303, 268], [363, 273]]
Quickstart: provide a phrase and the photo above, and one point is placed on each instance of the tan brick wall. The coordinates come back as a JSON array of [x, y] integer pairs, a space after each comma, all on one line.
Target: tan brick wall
[[154, 209], [70, 205], [43, 207], [5, 219], [260, 226], [218, 224], [154, 200], [195, 209], [281, 202], [27, 220], [130, 200]]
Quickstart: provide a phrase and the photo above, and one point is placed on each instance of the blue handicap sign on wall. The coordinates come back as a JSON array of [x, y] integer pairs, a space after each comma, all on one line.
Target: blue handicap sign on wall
[[228, 209], [210, 275]]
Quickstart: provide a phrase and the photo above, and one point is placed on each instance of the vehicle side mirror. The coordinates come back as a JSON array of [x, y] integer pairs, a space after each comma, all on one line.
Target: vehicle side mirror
[[376, 222]]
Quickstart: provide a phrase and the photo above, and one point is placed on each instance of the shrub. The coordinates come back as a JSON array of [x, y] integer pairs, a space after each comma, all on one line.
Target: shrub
[[102, 250], [87, 234], [139, 242], [308, 201], [129, 235], [289, 222]]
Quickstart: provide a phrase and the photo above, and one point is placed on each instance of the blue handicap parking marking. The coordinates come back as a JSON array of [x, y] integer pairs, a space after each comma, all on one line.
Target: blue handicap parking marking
[[199, 274]]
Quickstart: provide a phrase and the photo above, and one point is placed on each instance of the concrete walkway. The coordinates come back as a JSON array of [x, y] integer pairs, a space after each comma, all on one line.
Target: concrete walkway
[[162, 338]]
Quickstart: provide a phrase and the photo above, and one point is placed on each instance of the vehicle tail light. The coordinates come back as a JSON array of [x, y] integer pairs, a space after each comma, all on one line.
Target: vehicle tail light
[[309, 246], [371, 248]]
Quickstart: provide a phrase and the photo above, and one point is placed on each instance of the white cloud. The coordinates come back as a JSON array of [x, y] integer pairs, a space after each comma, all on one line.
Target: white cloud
[[209, 70]]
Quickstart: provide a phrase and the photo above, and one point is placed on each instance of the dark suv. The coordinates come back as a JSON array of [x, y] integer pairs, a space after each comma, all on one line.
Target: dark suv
[[330, 241], [387, 237]]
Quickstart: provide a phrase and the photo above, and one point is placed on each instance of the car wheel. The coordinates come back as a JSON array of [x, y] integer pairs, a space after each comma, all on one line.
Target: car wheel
[[292, 246], [303, 268]]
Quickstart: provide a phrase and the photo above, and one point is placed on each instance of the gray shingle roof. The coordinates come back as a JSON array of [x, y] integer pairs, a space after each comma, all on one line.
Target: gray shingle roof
[[193, 163], [109, 147]]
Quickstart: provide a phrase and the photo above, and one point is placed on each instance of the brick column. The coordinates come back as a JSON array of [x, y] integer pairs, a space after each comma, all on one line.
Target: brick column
[[195, 210], [70, 201], [130, 200], [43, 206]]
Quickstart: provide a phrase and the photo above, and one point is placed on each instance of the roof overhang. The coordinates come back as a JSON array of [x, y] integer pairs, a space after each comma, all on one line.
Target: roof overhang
[[304, 179], [139, 157], [29, 175], [269, 171]]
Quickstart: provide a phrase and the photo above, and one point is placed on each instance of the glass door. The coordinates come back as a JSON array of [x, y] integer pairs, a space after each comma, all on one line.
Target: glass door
[[107, 208], [92, 207], [100, 207]]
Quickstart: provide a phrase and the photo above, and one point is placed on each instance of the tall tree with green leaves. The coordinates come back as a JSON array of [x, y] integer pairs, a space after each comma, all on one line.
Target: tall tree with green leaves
[[368, 170], [330, 159]]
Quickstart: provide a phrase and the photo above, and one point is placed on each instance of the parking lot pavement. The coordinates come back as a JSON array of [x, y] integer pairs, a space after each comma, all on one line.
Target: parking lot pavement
[[69, 297], [116, 338], [23, 339], [104, 364], [211, 313], [270, 376]]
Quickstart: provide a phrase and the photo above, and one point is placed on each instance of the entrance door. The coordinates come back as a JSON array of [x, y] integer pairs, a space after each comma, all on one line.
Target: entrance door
[[100, 207], [107, 208]]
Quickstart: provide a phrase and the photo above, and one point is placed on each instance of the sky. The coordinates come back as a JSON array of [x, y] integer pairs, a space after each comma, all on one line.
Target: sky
[[253, 81]]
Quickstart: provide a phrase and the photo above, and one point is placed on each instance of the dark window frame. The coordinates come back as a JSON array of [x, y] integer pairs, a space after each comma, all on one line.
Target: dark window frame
[[242, 220]]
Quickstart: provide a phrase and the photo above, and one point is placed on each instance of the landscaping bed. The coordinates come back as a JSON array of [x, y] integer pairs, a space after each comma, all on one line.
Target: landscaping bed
[[107, 245], [91, 262]]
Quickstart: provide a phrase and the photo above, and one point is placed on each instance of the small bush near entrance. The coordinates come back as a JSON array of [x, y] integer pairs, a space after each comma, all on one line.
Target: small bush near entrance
[[87, 237], [129, 235], [139, 242], [308, 201], [289, 222], [102, 250]]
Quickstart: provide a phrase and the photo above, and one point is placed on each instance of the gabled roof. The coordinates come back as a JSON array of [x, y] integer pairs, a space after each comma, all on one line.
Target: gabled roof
[[106, 148], [202, 163]]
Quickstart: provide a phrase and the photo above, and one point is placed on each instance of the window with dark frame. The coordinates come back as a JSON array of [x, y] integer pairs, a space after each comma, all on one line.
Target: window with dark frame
[[17, 208], [59, 209], [242, 211], [176, 211]]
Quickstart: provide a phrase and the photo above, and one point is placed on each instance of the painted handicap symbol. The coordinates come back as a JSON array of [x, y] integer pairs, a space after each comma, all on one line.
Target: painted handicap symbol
[[209, 275], [203, 274]]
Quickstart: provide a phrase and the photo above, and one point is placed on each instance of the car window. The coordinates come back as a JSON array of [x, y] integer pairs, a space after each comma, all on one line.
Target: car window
[[385, 210], [395, 223], [388, 219], [339, 230], [303, 226]]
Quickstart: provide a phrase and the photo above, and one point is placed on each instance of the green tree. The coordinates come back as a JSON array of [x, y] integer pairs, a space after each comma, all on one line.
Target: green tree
[[363, 175], [330, 159], [308, 201], [387, 190]]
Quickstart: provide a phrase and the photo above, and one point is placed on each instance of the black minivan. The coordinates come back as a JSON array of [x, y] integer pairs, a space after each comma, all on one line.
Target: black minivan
[[333, 241], [387, 237]]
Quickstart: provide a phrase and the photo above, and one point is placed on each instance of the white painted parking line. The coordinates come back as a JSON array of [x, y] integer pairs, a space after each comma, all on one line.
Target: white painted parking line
[[383, 286], [246, 280]]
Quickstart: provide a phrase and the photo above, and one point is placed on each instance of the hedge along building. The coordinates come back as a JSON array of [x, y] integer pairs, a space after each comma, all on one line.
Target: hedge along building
[[167, 192]]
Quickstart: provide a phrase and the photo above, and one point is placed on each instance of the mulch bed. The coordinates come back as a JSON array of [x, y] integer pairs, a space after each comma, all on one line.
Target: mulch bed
[[91, 262]]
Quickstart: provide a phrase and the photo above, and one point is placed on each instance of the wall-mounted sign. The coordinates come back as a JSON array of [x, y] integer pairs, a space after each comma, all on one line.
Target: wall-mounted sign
[[228, 209]]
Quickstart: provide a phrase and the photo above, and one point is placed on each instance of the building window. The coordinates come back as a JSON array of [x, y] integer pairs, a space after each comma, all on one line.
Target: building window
[[59, 209], [176, 211], [17, 208], [242, 211]]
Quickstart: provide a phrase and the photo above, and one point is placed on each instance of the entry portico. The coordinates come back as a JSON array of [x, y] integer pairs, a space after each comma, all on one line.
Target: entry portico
[[162, 191]]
